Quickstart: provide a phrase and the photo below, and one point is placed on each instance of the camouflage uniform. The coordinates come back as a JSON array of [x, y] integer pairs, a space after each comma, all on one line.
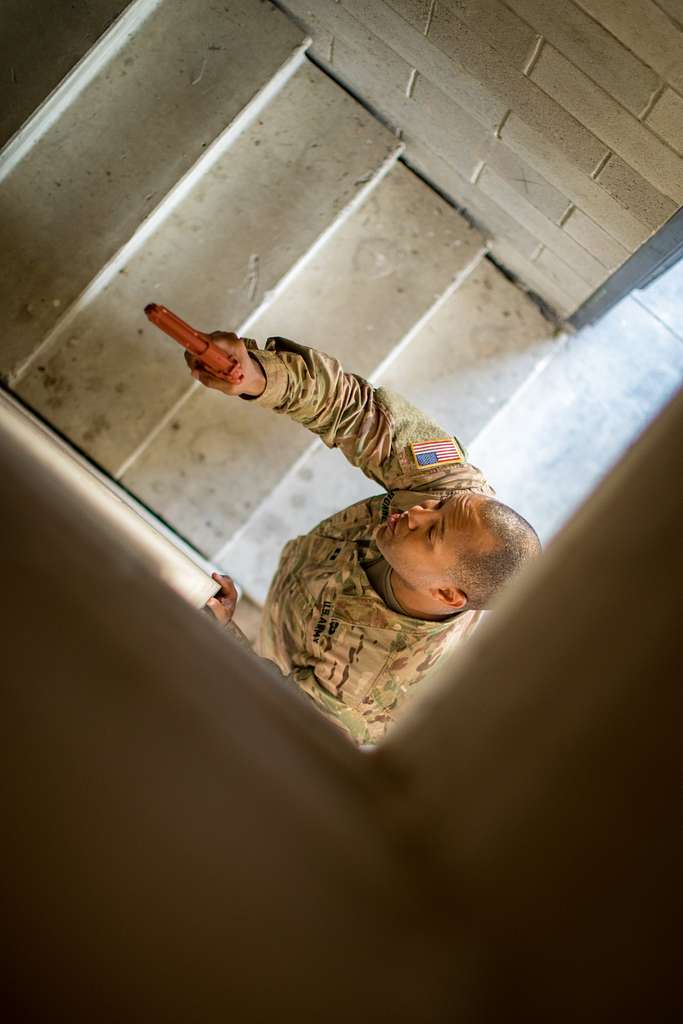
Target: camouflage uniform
[[323, 624]]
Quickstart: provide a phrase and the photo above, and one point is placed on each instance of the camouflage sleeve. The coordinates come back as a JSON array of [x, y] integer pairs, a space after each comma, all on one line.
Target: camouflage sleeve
[[377, 430]]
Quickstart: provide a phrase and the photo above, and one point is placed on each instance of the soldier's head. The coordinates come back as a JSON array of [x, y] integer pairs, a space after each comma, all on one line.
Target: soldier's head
[[457, 552]]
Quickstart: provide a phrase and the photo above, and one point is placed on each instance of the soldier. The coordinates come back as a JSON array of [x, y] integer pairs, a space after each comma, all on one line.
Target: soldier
[[366, 604]]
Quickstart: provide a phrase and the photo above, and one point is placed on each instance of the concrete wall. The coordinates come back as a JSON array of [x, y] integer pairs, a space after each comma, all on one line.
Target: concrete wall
[[557, 125]]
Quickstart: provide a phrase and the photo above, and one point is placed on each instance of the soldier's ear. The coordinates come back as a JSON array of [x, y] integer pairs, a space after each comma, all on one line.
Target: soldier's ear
[[452, 597]]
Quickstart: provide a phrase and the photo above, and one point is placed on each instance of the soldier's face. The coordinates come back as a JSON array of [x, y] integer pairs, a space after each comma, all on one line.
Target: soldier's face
[[422, 543]]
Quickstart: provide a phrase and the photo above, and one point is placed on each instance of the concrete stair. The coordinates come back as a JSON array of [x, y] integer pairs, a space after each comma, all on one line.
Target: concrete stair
[[218, 255], [195, 157], [167, 81]]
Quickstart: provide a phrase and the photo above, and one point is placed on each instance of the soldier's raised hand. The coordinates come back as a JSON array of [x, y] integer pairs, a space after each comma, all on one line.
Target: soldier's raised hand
[[246, 376]]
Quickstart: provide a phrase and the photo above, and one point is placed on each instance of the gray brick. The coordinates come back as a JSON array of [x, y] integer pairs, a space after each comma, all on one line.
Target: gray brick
[[453, 133], [415, 12], [645, 29], [436, 169], [495, 222], [415, 131], [592, 49], [613, 125], [582, 263], [541, 153], [525, 179], [428, 115], [375, 59], [591, 236], [368, 64], [556, 270], [495, 23], [636, 194], [518, 92], [471, 62], [666, 118], [529, 275], [463, 84], [491, 218]]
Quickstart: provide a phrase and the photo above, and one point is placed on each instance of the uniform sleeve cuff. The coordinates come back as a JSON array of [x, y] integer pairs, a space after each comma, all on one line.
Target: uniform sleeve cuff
[[276, 379]]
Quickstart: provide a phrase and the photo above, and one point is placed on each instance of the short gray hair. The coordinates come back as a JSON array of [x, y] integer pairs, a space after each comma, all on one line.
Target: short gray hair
[[482, 574]]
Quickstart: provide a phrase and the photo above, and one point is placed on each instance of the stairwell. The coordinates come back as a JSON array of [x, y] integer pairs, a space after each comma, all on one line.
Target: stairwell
[[194, 156], [181, 828]]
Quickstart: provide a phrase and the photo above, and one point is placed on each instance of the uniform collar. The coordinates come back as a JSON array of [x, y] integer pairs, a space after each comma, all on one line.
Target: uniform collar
[[359, 603]]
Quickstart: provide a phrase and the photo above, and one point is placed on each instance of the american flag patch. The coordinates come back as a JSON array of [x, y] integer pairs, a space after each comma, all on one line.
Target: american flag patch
[[430, 453]]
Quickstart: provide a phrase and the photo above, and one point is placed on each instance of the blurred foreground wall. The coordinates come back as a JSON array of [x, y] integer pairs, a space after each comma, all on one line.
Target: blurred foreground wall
[[185, 839]]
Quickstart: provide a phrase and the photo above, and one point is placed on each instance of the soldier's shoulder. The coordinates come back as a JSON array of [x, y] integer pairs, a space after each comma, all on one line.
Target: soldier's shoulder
[[351, 520], [442, 480]]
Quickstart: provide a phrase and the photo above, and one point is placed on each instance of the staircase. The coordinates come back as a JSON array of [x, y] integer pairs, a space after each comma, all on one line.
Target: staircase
[[194, 156]]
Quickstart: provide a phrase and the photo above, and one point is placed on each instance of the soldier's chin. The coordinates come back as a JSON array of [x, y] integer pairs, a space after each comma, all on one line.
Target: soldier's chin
[[383, 540]]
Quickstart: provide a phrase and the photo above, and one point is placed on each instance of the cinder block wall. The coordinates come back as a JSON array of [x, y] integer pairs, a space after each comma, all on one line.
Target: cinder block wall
[[557, 125]]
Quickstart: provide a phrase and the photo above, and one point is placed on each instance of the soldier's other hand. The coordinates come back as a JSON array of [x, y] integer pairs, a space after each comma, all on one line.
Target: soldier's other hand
[[245, 377], [223, 604]]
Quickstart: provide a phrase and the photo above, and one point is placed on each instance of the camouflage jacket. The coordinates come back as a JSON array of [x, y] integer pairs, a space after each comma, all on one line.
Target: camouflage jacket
[[323, 624]]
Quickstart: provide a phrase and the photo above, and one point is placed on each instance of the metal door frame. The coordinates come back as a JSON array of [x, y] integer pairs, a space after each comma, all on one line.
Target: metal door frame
[[653, 258]]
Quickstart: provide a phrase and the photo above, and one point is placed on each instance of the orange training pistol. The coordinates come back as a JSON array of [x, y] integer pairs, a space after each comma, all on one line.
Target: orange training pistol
[[200, 344]]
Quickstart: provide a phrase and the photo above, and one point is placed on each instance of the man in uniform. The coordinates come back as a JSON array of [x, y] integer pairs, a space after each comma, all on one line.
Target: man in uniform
[[368, 602]]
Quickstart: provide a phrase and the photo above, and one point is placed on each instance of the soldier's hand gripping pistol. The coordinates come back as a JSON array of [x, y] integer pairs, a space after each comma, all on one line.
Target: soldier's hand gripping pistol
[[219, 360]]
